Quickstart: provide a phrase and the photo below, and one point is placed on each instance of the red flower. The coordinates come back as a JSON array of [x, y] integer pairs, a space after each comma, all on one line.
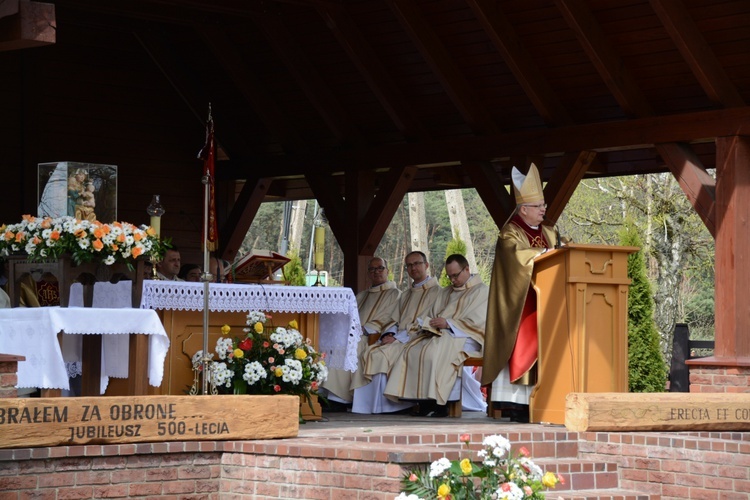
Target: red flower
[[277, 388], [246, 344]]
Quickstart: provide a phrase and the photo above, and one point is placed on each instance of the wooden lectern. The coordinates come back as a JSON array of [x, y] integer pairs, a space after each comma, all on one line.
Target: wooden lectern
[[582, 304]]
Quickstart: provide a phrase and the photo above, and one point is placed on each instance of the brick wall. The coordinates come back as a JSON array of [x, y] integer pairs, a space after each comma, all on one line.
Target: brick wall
[[675, 466], [719, 379], [8, 377]]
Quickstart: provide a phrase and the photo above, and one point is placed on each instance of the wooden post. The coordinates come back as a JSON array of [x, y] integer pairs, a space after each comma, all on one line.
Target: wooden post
[[679, 378], [732, 251]]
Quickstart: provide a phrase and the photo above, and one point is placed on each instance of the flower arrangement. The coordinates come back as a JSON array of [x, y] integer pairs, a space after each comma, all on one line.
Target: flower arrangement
[[500, 476], [266, 360], [85, 241]]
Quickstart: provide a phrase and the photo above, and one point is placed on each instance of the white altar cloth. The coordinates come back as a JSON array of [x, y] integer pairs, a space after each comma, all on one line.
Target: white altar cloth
[[32, 332], [339, 318]]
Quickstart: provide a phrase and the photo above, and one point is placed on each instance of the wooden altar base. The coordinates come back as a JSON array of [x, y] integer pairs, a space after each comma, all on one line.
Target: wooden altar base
[[347, 456]]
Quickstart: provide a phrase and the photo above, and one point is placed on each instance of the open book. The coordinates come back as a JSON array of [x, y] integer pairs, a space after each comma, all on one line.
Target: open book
[[258, 265], [424, 324]]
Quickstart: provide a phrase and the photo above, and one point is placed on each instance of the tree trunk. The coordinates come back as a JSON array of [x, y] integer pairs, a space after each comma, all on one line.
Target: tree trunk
[[460, 224]]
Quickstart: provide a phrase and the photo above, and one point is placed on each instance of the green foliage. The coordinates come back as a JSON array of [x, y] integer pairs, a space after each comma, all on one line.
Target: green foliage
[[646, 368], [293, 271], [456, 245]]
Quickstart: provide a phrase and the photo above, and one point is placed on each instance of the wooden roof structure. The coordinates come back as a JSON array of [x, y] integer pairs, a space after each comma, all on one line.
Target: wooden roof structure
[[357, 102]]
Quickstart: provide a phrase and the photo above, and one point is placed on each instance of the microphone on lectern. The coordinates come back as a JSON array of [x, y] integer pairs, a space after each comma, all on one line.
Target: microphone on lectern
[[558, 243]]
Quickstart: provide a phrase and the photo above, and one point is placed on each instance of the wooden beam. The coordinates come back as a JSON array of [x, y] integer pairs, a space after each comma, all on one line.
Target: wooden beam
[[491, 188], [251, 88], [608, 136], [308, 78], [436, 55], [564, 181], [375, 74], [25, 24], [696, 183], [697, 53], [601, 53], [622, 412], [232, 234], [519, 61], [326, 192], [379, 215]]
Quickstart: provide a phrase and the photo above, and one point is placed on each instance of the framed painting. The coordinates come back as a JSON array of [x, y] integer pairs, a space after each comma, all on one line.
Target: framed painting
[[86, 191]]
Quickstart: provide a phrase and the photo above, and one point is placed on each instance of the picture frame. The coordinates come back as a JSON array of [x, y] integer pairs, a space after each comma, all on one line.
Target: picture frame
[[86, 191]]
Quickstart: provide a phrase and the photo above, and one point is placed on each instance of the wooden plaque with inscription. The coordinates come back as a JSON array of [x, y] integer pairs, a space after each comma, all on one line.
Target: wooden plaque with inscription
[[33, 422]]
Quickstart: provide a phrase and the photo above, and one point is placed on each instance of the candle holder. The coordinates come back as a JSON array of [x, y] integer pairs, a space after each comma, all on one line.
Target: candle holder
[[319, 227], [155, 210]]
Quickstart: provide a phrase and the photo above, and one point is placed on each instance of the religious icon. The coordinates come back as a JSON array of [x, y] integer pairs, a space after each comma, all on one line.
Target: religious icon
[[85, 191]]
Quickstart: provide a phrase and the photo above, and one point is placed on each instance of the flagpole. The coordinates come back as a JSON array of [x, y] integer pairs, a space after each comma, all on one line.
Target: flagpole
[[206, 276]]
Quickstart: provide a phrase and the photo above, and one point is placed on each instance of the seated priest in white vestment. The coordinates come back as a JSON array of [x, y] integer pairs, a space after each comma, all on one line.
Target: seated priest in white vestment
[[431, 366], [377, 359], [376, 307]]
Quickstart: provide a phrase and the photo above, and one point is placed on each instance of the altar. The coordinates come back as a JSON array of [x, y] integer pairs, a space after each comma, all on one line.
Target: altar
[[33, 333], [328, 316]]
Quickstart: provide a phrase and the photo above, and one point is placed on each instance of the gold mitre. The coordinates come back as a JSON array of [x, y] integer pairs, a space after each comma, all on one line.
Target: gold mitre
[[527, 188]]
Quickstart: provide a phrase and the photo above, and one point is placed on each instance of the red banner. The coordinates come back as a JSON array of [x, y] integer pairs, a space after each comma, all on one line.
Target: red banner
[[208, 155]]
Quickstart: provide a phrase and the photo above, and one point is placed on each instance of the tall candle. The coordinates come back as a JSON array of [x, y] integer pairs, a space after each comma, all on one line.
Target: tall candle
[[320, 239], [156, 224]]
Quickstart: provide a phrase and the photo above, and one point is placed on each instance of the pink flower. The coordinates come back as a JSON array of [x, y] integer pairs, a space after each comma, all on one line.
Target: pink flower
[[465, 438], [524, 451], [271, 360], [413, 477]]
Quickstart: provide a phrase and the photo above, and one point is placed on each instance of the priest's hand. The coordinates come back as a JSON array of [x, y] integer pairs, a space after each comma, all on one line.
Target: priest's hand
[[439, 323], [388, 338]]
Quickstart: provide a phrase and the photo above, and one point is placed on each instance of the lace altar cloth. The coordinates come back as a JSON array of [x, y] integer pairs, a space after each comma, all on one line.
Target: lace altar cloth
[[32, 332], [339, 318]]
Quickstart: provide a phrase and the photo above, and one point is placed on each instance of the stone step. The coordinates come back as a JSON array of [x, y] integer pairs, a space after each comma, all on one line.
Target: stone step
[[601, 494]]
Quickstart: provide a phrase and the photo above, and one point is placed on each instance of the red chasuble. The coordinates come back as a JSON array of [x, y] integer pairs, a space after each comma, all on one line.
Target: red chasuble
[[527, 342]]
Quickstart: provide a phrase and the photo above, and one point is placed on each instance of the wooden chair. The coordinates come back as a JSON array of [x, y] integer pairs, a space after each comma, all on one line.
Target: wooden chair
[[454, 407]]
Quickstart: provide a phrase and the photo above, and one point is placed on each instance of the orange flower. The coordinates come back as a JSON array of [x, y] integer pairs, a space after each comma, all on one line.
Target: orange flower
[[54, 235], [97, 245], [80, 233], [98, 232], [151, 231], [46, 223], [36, 240], [19, 236], [136, 251], [121, 238], [29, 218], [9, 235], [137, 236]]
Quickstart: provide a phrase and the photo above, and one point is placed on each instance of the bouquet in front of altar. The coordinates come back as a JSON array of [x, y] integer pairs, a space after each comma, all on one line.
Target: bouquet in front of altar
[[265, 360]]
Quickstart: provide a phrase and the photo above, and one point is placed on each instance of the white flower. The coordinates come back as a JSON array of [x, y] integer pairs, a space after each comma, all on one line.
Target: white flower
[[512, 492], [224, 347], [221, 374], [254, 371], [404, 496], [439, 466]]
